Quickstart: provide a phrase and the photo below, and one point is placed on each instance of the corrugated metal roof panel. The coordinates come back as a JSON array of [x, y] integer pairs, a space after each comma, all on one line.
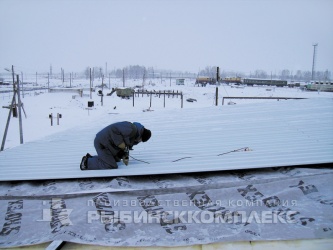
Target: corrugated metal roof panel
[[293, 132]]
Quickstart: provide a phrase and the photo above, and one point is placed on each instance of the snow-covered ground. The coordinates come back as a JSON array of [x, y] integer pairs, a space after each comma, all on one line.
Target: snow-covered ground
[[39, 104], [290, 137]]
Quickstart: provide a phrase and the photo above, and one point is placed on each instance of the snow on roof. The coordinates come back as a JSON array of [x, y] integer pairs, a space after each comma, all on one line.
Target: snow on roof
[[261, 135]]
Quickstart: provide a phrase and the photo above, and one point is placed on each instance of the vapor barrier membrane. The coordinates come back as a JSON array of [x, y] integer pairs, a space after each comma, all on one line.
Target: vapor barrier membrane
[[170, 210]]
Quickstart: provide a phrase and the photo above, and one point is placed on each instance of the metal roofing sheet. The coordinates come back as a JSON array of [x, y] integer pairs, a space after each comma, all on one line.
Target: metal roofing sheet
[[293, 132]]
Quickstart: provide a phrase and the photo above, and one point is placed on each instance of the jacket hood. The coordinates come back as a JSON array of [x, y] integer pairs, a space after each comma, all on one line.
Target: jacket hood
[[140, 128]]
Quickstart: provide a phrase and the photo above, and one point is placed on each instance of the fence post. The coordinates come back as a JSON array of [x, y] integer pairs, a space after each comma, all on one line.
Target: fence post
[[216, 96], [164, 98], [181, 96], [150, 98], [58, 118], [133, 97], [51, 117]]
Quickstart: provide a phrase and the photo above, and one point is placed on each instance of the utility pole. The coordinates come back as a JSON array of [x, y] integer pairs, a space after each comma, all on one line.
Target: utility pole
[[123, 77], [102, 90], [19, 108], [217, 89], [22, 84], [62, 75], [143, 78], [48, 81], [93, 77], [12, 108], [90, 83], [314, 60]]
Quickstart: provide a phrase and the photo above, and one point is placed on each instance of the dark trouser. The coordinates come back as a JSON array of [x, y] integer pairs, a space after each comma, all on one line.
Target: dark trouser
[[105, 159]]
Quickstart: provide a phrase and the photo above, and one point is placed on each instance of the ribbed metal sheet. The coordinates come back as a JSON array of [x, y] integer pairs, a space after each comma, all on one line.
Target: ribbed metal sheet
[[285, 133]]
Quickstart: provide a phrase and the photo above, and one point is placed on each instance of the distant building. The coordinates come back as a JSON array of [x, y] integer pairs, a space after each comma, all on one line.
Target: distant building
[[180, 81], [320, 86]]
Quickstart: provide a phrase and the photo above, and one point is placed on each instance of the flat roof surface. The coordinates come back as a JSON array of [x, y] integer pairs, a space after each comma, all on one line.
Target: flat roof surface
[[262, 135]]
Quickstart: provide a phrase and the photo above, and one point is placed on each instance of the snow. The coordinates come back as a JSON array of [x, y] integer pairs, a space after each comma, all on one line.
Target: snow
[[199, 137], [39, 104], [184, 139]]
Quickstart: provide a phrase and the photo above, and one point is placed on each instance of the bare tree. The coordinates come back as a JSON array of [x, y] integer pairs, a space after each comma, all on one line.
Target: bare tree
[[259, 73], [285, 74]]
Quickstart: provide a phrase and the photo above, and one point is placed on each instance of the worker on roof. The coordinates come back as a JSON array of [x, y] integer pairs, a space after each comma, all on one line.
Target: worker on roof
[[112, 144]]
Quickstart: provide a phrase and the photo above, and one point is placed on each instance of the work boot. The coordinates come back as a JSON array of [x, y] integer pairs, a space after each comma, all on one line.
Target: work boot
[[84, 162], [83, 165]]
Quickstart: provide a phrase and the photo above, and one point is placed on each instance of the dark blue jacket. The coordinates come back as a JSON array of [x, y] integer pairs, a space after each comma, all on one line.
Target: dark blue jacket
[[115, 134]]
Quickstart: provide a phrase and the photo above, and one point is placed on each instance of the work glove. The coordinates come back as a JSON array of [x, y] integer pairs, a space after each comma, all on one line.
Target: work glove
[[122, 146], [126, 157]]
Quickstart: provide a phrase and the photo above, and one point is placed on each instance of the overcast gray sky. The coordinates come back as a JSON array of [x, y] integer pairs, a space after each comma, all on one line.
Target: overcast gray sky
[[238, 35]]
